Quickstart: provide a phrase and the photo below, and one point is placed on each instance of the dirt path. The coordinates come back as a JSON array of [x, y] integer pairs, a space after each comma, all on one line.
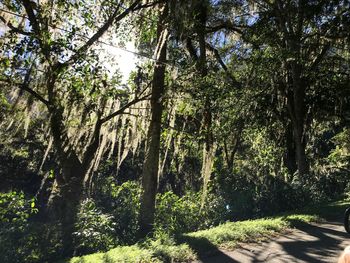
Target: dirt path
[[312, 243]]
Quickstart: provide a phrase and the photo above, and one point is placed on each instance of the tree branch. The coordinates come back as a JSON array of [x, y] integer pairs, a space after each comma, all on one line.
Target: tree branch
[[320, 56], [112, 19], [191, 49], [223, 65], [25, 87], [13, 28], [28, 6], [122, 109], [228, 25], [152, 4]]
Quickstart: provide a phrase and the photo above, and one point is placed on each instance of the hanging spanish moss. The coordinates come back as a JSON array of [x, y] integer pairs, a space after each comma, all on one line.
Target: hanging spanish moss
[[207, 167]]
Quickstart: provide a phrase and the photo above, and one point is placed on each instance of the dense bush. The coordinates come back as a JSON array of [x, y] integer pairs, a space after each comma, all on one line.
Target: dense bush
[[95, 231], [110, 221], [17, 241], [176, 214]]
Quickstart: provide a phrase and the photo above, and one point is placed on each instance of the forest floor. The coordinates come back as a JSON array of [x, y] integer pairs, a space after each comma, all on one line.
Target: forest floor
[[310, 243]]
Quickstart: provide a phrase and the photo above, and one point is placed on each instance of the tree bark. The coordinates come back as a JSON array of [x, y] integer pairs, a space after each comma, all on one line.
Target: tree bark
[[296, 85], [209, 147], [289, 158], [68, 187], [297, 109], [151, 163], [64, 202]]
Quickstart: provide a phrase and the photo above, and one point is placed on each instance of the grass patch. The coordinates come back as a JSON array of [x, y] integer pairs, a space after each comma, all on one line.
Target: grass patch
[[199, 244], [151, 251], [228, 235], [329, 211]]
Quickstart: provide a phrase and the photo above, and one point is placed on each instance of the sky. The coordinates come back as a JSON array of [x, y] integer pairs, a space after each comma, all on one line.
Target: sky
[[125, 61]]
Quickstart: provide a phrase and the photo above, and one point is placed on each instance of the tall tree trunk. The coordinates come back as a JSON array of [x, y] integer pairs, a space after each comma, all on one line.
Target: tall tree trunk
[[209, 147], [65, 199], [231, 148], [68, 185], [297, 112], [289, 157], [151, 163], [295, 85], [68, 189]]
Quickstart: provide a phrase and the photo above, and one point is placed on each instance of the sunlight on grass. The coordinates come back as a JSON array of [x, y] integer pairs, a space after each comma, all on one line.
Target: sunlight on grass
[[231, 233]]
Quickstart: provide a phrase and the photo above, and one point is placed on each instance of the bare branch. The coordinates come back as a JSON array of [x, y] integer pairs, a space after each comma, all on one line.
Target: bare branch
[[223, 65], [25, 87], [227, 25], [122, 109]]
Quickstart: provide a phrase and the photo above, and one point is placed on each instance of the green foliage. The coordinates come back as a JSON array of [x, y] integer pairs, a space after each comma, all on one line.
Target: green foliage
[[176, 215], [127, 254], [4, 106], [125, 205], [165, 248], [248, 110], [17, 242], [339, 156], [247, 195], [15, 209], [95, 231]]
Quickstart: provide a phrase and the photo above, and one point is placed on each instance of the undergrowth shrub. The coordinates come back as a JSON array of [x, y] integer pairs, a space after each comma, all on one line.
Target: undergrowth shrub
[[95, 230], [17, 242], [176, 214], [123, 203]]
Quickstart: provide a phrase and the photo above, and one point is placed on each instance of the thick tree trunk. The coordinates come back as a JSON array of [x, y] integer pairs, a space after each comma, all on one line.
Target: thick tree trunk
[[299, 140], [64, 201], [303, 167], [209, 147], [289, 158], [68, 189], [298, 119], [151, 163], [295, 84]]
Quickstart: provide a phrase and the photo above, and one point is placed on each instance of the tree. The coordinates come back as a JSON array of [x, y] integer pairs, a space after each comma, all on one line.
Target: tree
[[301, 34], [55, 54], [151, 163]]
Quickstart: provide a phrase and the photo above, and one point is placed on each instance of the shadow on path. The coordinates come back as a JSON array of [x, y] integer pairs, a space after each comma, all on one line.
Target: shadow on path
[[326, 242], [311, 243], [205, 249]]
